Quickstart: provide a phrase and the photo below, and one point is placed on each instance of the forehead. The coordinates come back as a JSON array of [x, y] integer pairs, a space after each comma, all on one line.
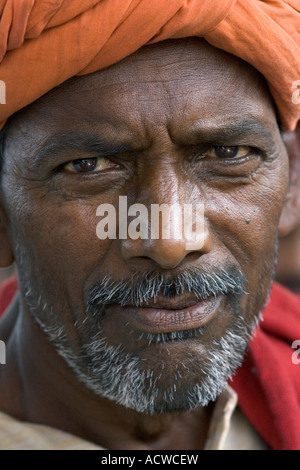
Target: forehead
[[171, 84]]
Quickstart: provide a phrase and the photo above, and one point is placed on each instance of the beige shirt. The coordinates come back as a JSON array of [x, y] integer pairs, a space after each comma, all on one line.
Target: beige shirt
[[229, 430]]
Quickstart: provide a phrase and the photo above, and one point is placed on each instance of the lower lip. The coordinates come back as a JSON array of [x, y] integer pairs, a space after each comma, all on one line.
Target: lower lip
[[156, 320]]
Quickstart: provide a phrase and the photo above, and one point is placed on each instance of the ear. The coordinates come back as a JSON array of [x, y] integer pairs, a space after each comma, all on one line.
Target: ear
[[6, 252], [290, 216]]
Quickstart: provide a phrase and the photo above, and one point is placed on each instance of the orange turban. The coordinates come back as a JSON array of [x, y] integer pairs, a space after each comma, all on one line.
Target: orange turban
[[45, 42]]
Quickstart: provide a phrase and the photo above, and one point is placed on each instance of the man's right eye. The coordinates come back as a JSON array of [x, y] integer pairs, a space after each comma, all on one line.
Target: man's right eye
[[88, 165], [230, 152]]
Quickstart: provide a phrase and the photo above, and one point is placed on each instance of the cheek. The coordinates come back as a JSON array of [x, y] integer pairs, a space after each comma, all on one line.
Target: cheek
[[244, 223], [60, 245], [245, 229]]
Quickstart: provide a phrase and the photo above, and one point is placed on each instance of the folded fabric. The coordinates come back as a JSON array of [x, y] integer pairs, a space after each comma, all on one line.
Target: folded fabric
[[268, 383], [45, 42]]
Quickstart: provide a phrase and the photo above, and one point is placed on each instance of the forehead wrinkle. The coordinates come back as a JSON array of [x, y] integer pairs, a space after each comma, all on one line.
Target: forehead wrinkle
[[168, 55], [209, 60]]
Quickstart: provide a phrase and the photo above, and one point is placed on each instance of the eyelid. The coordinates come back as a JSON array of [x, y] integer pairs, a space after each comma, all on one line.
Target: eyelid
[[248, 150], [99, 158]]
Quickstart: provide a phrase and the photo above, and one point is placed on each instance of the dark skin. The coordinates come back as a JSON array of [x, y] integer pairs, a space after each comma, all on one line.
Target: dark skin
[[161, 108]]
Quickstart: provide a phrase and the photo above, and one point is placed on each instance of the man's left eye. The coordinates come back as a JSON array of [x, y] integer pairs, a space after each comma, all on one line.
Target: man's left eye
[[238, 151], [88, 165]]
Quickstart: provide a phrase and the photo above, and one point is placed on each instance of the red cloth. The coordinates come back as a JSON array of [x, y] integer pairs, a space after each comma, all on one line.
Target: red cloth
[[7, 292], [268, 383]]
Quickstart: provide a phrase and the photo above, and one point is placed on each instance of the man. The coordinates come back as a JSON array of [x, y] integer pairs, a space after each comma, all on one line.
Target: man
[[129, 342]]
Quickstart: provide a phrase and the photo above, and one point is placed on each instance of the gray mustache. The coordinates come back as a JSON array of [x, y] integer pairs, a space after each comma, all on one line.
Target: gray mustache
[[136, 291]]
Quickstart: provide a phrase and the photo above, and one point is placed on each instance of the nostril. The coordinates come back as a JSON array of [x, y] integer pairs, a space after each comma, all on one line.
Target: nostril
[[167, 253]]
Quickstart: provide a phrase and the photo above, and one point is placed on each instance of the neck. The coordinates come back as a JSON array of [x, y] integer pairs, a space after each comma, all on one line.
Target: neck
[[46, 391]]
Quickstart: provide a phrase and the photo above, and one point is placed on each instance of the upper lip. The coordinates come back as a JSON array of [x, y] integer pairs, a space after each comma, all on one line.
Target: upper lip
[[176, 303]]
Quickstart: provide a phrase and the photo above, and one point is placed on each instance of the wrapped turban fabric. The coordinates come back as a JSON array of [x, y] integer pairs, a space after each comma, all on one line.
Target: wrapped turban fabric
[[45, 42]]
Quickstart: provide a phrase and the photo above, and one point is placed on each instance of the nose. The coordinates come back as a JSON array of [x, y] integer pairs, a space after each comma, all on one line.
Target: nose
[[171, 211], [167, 233], [167, 253]]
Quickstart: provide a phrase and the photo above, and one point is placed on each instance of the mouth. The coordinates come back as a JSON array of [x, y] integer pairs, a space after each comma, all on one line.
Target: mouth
[[169, 317]]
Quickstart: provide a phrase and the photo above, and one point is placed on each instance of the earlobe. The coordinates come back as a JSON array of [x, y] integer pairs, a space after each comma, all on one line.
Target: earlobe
[[6, 252], [290, 216]]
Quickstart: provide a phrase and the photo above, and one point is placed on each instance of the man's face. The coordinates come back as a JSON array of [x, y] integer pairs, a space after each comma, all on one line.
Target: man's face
[[148, 323]]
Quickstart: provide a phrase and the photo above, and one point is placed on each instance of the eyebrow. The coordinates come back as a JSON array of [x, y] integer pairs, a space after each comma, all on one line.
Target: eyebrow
[[82, 141], [210, 134], [234, 130]]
